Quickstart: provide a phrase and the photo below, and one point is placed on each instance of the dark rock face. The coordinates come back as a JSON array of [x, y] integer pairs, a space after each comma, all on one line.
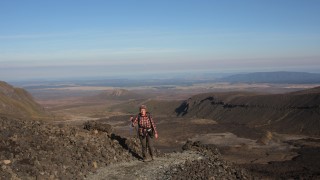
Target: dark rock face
[[295, 113], [34, 149]]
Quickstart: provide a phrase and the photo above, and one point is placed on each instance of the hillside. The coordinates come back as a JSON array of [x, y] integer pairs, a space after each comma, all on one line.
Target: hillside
[[38, 150], [274, 77], [296, 113], [18, 102]]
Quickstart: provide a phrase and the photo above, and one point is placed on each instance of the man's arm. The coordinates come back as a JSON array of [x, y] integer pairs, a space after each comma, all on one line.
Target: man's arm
[[154, 127], [134, 121]]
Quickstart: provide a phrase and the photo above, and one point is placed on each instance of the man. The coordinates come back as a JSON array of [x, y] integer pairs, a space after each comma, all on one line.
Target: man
[[146, 131]]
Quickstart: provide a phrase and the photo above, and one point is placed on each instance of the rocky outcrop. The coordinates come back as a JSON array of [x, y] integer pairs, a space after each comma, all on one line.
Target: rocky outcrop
[[210, 167], [33, 149]]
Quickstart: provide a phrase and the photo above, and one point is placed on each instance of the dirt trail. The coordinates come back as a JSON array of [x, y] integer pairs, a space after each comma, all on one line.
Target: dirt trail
[[156, 169]]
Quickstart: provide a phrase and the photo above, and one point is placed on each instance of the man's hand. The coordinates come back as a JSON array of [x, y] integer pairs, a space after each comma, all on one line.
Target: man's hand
[[131, 120], [156, 136]]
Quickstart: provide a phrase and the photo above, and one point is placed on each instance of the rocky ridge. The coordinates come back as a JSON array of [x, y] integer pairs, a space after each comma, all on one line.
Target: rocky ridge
[[294, 113], [33, 150]]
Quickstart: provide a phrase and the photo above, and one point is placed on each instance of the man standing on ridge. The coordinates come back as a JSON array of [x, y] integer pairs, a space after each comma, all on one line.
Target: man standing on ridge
[[146, 131]]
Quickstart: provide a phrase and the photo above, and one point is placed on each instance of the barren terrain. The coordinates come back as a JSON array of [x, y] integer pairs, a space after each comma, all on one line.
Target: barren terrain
[[259, 151]]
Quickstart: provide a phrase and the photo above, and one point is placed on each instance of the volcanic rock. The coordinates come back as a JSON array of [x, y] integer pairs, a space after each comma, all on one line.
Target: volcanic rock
[[31, 149], [210, 167]]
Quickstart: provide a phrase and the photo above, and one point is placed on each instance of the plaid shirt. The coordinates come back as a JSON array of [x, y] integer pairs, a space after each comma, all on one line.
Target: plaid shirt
[[144, 124]]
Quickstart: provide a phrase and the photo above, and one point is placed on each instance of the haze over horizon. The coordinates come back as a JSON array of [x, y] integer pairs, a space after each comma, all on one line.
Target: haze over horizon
[[64, 39]]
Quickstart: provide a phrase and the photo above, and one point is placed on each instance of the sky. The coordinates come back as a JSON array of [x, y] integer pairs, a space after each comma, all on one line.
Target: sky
[[58, 39]]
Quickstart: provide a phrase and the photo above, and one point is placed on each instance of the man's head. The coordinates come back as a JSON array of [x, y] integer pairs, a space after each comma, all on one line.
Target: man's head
[[143, 109]]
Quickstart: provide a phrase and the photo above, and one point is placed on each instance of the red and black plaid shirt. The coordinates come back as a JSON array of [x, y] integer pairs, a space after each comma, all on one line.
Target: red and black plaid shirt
[[144, 123]]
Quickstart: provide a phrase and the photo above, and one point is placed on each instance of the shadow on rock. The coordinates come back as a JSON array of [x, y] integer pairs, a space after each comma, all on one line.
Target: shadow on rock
[[127, 144]]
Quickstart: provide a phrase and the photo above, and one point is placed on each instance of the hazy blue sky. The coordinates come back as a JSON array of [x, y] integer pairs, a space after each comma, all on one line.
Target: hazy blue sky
[[45, 39]]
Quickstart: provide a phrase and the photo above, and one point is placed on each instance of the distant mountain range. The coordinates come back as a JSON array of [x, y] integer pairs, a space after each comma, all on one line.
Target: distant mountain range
[[181, 80], [274, 77]]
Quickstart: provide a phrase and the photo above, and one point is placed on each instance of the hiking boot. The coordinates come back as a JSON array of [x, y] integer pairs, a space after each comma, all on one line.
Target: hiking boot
[[147, 159]]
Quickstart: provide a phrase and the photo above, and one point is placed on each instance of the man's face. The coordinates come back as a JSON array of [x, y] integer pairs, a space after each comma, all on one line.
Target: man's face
[[143, 111]]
